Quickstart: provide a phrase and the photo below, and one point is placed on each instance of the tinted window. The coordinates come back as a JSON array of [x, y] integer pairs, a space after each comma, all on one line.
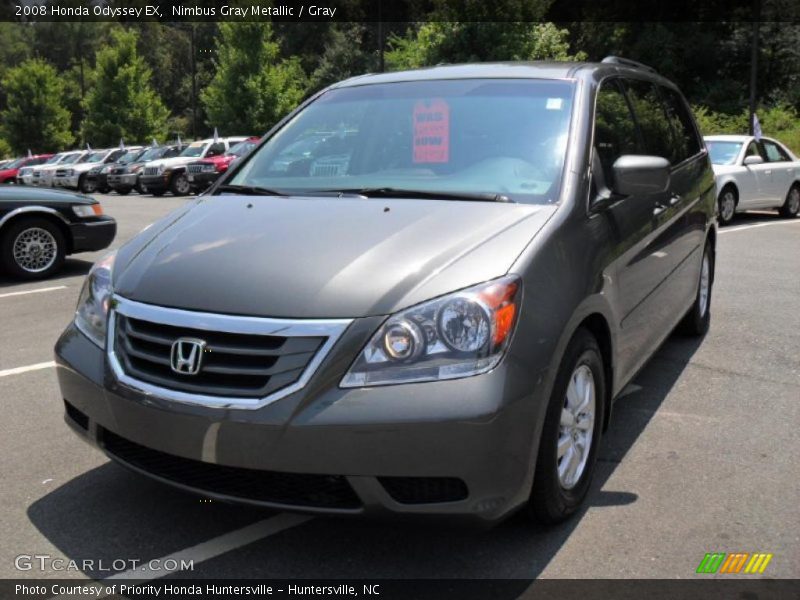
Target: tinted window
[[652, 119], [216, 149], [614, 127], [686, 142], [774, 152], [755, 149], [497, 136]]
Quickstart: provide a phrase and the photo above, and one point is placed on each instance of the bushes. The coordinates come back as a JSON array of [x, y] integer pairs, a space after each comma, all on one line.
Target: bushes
[[779, 122]]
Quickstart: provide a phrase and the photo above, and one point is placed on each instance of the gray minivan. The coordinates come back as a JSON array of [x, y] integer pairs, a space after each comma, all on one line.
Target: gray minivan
[[428, 312]]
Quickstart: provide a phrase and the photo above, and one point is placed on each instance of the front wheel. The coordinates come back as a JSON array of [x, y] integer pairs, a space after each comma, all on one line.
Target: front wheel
[[179, 186], [698, 319], [791, 207], [571, 434], [727, 205], [32, 249], [86, 185]]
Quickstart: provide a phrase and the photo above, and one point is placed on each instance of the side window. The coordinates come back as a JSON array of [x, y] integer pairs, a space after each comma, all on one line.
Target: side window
[[774, 152], [685, 138], [652, 119], [614, 127], [754, 149]]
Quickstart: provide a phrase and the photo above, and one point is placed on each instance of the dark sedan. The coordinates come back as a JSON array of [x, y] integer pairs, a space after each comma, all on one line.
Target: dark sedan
[[39, 228]]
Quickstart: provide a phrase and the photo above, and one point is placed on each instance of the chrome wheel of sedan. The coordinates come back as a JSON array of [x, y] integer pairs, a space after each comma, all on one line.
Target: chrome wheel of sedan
[[577, 426], [727, 206], [35, 250]]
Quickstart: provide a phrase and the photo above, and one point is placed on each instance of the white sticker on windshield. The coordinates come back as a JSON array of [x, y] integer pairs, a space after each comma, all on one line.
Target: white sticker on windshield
[[554, 103]]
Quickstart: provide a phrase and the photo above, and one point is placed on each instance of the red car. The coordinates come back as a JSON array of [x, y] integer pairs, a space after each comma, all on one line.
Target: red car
[[8, 174], [203, 173]]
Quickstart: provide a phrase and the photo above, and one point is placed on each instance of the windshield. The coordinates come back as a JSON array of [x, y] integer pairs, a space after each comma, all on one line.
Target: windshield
[[56, 158], [14, 164], [72, 159], [130, 156], [194, 149], [151, 154], [241, 148], [723, 153], [95, 156], [485, 136]]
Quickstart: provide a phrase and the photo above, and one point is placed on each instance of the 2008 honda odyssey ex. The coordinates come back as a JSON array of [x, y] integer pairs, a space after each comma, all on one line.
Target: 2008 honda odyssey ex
[[419, 294]]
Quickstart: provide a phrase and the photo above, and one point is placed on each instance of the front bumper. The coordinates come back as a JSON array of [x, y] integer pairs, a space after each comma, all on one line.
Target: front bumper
[[156, 183], [465, 447], [93, 235], [126, 180], [201, 181], [70, 182], [100, 180]]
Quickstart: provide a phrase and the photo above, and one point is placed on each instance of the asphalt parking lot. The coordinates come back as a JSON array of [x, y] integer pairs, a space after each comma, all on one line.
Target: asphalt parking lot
[[701, 456]]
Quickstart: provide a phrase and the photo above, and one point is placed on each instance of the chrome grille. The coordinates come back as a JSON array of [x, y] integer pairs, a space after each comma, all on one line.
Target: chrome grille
[[194, 169], [151, 170], [248, 361], [61, 172]]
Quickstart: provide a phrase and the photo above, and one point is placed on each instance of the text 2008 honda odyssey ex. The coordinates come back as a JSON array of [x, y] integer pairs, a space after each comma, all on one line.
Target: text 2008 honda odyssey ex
[[419, 294]]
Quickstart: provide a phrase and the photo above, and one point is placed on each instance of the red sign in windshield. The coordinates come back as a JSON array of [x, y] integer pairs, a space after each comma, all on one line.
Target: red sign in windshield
[[431, 131]]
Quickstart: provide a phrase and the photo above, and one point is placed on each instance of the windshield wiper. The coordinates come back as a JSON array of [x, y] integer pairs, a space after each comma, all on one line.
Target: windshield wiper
[[389, 192], [249, 190]]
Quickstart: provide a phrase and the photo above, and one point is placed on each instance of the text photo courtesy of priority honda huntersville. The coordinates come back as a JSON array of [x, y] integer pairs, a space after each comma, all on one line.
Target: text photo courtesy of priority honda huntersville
[[418, 295]]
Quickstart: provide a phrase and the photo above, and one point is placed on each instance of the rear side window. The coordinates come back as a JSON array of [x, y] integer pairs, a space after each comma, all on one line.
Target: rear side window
[[774, 152], [755, 149], [686, 141], [614, 127], [652, 119]]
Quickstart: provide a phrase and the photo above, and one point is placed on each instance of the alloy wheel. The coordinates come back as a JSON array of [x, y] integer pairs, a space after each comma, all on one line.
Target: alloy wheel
[[705, 284], [35, 250], [794, 201], [577, 427], [727, 206]]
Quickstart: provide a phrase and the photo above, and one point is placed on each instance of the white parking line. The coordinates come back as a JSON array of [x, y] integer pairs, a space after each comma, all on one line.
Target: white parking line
[[198, 553], [743, 227], [215, 546], [36, 367], [37, 291]]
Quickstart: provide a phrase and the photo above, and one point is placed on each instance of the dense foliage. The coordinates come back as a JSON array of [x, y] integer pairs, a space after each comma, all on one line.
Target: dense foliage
[[136, 80]]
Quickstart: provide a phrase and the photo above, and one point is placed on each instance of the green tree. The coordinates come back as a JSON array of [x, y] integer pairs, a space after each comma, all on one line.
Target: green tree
[[5, 149], [35, 117], [122, 103], [253, 87], [345, 55], [458, 42]]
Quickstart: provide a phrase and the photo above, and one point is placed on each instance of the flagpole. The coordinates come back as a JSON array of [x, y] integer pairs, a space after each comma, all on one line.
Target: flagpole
[[754, 64]]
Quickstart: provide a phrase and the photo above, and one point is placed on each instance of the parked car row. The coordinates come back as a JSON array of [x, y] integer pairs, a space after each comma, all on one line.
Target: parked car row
[[179, 168]]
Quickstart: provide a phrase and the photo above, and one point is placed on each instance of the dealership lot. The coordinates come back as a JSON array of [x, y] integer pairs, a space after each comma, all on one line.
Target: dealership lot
[[700, 456]]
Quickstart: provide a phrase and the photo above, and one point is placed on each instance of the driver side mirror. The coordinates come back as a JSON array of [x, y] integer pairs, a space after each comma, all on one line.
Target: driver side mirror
[[638, 175], [752, 160]]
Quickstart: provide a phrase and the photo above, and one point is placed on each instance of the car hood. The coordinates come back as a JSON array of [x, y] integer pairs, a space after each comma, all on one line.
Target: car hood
[[175, 161], [308, 257], [21, 194]]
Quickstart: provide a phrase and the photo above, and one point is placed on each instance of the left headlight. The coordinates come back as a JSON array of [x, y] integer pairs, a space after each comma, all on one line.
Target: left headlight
[[462, 334], [91, 316], [87, 210]]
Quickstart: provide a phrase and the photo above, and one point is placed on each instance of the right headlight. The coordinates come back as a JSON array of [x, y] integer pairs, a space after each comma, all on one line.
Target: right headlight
[[91, 316], [462, 334]]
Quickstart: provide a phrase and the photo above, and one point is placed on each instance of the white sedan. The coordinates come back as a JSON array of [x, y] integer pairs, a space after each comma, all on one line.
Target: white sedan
[[754, 174]]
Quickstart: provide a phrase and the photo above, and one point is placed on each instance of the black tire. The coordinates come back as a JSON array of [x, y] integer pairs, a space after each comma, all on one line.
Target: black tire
[[157, 193], [13, 232], [791, 207], [104, 190], [86, 186], [123, 191], [179, 185], [698, 319], [551, 501], [726, 212]]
